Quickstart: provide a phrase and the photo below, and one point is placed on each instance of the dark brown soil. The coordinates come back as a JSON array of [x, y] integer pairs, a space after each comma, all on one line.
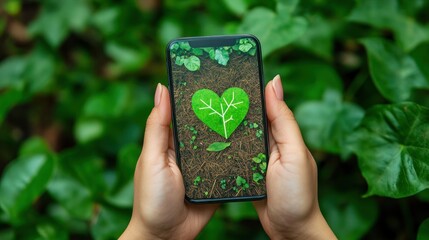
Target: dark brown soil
[[213, 167]]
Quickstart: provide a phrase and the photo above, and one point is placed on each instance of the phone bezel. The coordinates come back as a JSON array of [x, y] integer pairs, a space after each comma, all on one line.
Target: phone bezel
[[214, 41]]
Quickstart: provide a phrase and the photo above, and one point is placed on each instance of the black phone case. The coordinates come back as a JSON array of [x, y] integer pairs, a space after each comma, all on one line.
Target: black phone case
[[221, 148]]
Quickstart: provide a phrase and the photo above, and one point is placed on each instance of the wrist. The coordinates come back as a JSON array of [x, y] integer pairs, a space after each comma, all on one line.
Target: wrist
[[138, 232], [314, 227]]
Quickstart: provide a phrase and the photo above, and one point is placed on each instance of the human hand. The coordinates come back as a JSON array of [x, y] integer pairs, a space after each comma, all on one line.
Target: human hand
[[291, 210], [160, 210]]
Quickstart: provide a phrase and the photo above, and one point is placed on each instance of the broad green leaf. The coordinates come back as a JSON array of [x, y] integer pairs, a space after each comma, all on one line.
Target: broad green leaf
[[274, 30], [108, 103], [349, 216], [126, 163], [215, 228], [106, 20], [127, 58], [87, 129], [238, 211], [34, 145], [192, 63], [423, 232], [319, 36], [58, 18], [222, 114], [408, 32], [392, 146], [110, 223], [11, 70], [33, 72], [335, 121], [8, 100], [221, 56], [394, 73], [71, 194], [23, 181], [123, 197], [169, 29], [238, 7], [50, 230], [321, 78], [218, 146], [85, 167]]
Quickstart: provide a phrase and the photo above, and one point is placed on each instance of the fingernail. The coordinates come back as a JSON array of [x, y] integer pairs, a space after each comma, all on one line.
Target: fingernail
[[158, 94], [278, 88]]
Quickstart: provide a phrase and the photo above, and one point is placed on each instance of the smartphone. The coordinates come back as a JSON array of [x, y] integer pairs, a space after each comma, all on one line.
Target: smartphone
[[218, 116]]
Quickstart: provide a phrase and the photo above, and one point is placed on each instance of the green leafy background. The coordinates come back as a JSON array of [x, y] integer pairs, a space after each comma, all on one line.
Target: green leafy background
[[77, 79]]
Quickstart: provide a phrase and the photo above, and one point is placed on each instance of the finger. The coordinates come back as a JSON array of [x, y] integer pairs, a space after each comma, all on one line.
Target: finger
[[284, 128], [157, 133]]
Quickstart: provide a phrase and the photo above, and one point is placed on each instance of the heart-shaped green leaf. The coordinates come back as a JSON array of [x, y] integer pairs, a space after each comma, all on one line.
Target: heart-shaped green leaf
[[221, 114]]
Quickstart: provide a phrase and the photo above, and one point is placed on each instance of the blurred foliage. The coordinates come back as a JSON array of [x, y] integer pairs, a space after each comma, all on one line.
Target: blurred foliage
[[76, 86]]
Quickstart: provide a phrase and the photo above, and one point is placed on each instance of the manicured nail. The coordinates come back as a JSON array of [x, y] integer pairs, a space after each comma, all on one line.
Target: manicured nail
[[158, 94], [278, 88]]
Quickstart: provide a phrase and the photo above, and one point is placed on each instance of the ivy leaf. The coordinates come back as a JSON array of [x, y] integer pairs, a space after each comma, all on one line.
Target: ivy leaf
[[274, 30], [221, 114], [392, 147], [336, 120], [221, 56], [192, 63], [350, 216], [408, 32], [423, 232], [395, 73], [218, 146], [57, 19], [23, 181]]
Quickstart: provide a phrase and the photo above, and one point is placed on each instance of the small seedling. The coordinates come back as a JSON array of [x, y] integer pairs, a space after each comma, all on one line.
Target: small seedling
[[223, 184], [194, 136], [241, 182], [259, 133], [257, 177], [182, 145], [206, 193], [197, 181]]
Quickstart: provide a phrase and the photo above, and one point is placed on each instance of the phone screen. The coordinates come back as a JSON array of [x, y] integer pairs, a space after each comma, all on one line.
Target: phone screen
[[219, 117]]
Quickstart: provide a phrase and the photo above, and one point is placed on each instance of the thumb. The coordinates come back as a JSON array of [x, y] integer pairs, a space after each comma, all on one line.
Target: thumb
[[284, 128], [157, 133]]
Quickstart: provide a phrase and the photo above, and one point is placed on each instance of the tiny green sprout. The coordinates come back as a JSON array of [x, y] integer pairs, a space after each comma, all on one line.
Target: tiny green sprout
[[182, 145], [241, 182], [197, 180], [259, 133], [206, 193], [245, 122], [223, 184], [195, 147], [263, 167], [257, 177]]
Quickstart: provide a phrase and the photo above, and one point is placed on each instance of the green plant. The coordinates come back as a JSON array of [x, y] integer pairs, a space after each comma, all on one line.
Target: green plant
[[223, 184], [222, 114], [197, 180], [77, 79], [241, 184]]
